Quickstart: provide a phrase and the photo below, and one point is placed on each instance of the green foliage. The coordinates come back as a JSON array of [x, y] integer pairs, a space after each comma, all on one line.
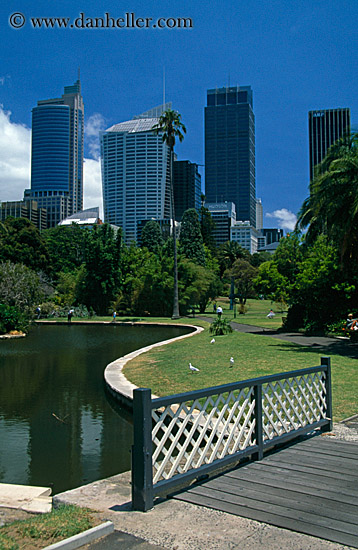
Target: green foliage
[[228, 253], [199, 285], [332, 206], [243, 274], [21, 242], [12, 319], [63, 522], [67, 247], [190, 238], [151, 236], [259, 258], [19, 287], [220, 326], [207, 226], [99, 278]]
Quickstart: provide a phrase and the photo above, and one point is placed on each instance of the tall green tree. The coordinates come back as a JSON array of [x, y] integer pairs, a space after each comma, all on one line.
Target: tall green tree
[[228, 253], [21, 242], [190, 238], [171, 127], [332, 206], [207, 225], [151, 236]]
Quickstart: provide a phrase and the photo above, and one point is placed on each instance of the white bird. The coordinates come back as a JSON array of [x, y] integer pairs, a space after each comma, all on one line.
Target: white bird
[[193, 369], [212, 341], [231, 361]]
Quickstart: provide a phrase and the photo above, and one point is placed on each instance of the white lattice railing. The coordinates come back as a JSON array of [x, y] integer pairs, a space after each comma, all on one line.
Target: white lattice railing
[[177, 438]]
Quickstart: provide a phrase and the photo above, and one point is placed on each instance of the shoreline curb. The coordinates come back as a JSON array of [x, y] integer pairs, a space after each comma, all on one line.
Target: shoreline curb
[[83, 538]]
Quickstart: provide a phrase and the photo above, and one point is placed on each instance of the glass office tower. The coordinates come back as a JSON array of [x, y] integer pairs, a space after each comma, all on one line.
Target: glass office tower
[[57, 155], [187, 187], [135, 174], [325, 127], [230, 150]]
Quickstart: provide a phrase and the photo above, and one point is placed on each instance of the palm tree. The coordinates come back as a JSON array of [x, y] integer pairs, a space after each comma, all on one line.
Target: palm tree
[[332, 206], [171, 127]]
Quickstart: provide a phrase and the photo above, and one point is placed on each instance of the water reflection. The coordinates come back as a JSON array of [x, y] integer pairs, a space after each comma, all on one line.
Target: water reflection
[[56, 427]]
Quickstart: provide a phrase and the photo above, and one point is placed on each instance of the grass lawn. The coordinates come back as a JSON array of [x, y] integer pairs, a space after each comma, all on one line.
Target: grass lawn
[[256, 314], [46, 529], [166, 369]]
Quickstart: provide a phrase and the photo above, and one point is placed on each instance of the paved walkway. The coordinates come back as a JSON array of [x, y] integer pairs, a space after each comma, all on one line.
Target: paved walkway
[[340, 346]]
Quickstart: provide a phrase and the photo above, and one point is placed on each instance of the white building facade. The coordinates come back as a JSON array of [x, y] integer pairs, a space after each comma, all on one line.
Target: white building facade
[[245, 235], [135, 174]]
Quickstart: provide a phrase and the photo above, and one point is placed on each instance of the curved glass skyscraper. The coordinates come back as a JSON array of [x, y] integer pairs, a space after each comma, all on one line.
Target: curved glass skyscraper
[[50, 169], [57, 155]]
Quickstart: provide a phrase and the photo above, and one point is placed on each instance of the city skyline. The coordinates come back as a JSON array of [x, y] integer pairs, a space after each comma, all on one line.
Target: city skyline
[[295, 57]]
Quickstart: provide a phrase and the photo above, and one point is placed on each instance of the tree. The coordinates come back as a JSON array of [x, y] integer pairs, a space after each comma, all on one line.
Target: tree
[[207, 225], [171, 127], [19, 287], [243, 274], [66, 246], [190, 239], [228, 253], [100, 276], [332, 206], [21, 242], [151, 236]]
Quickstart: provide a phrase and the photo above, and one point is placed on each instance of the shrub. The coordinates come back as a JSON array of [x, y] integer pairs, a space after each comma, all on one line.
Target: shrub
[[12, 319], [220, 327]]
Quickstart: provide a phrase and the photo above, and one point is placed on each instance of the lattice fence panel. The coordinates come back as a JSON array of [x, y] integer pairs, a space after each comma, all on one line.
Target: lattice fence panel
[[191, 434], [291, 403]]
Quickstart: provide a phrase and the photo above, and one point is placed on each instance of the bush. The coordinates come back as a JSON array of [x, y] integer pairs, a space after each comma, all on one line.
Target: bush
[[12, 319], [220, 327]]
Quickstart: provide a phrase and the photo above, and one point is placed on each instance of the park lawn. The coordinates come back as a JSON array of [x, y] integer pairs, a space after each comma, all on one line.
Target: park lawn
[[256, 314], [166, 369]]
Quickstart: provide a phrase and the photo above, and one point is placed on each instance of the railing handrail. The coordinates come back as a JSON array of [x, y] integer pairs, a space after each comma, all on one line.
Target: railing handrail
[[205, 392], [144, 406]]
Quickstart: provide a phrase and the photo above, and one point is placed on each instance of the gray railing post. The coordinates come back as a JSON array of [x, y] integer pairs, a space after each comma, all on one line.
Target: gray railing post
[[142, 472], [259, 436], [326, 361]]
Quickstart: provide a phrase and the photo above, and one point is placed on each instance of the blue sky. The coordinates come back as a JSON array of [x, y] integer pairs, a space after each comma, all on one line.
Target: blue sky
[[297, 55]]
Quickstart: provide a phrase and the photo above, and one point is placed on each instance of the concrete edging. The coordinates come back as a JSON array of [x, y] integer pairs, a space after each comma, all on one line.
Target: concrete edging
[[117, 383], [83, 538]]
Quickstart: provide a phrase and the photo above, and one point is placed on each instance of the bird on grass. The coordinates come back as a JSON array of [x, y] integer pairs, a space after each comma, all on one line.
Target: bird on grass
[[193, 369], [232, 361], [212, 341]]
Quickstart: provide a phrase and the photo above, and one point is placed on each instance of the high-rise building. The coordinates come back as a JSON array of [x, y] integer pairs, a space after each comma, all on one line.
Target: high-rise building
[[187, 187], [230, 150], [135, 173], [57, 154], [224, 216], [325, 127], [259, 214], [24, 209]]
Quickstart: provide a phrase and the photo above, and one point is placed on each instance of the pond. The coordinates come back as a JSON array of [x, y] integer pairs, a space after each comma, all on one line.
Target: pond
[[57, 425]]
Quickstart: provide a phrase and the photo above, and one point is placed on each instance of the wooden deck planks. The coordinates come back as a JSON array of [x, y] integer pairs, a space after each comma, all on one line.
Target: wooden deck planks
[[311, 487]]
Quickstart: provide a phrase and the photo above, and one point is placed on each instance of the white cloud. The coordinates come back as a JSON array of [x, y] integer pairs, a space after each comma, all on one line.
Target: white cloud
[[285, 218], [94, 125], [15, 146], [4, 79], [92, 185]]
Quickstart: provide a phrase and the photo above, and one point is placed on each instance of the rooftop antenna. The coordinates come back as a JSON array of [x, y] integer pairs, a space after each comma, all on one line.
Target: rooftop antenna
[[229, 79], [79, 74]]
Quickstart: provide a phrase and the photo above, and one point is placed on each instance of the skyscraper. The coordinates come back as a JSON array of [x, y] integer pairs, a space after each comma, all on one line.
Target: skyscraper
[[57, 154], [230, 150], [325, 127], [135, 173], [187, 187]]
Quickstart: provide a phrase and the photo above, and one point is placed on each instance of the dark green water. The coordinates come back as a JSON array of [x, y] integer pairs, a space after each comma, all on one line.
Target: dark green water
[[59, 370]]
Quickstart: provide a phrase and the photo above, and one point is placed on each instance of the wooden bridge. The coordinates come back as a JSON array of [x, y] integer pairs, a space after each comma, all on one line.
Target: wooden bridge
[[310, 487]]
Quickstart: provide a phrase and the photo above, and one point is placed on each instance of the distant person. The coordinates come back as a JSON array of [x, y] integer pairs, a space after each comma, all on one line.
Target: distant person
[[351, 323], [70, 315], [38, 312], [114, 316], [271, 314], [219, 311]]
